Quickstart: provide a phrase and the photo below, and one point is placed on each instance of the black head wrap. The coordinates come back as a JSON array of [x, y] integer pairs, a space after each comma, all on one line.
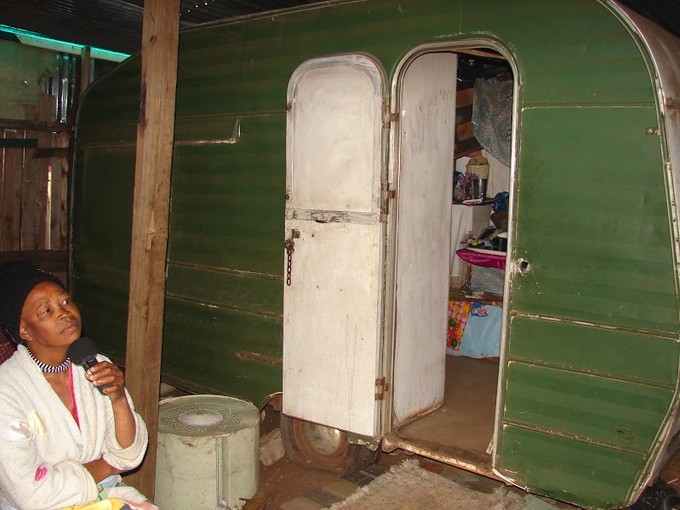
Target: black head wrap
[[17, 280]]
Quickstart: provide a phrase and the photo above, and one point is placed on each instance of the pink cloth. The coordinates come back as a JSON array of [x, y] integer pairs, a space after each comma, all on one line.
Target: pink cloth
[[7, 347], [482, 259]]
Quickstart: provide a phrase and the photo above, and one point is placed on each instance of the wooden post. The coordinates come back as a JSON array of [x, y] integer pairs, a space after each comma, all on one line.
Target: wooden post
[[34, 231], [59, 192], [85, 69], [160, 36], [10, 201]]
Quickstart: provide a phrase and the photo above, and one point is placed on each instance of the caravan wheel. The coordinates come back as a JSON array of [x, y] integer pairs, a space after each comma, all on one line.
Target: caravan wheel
[[322, 447]]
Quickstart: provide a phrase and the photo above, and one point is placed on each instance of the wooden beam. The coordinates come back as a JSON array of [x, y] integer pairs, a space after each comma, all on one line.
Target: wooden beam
[[160, 37], [34, 186], [51, 152], [482, 53], [18, 143], [85, 69], [59, 165], [35, 125], [54, 261], [10, 201]]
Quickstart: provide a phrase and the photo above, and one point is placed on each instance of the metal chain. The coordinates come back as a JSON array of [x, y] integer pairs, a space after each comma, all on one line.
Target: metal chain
[[290, 248]]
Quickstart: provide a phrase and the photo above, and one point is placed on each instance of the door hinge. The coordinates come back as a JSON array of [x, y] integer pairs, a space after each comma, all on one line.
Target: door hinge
[[387, 195], [381, 386], [389, 119]]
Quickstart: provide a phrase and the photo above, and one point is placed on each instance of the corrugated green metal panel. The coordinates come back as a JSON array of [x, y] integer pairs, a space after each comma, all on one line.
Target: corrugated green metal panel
[[604, 66], [110, 107], [105, 133], [606, 352], [257, 57], [228, 200], [193, 355], [245, 292], [593, 408], [104, 309], [592, 219], [113, 98], [101, 227], [216, 128], [200, 347], [245, 65], [569, 52], [588, 475]]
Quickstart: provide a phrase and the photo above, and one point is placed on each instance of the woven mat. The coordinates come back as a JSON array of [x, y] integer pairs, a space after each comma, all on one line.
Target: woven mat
[[407, 486]]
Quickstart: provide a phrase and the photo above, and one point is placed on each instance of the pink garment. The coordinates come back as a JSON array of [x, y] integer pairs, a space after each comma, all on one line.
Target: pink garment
[[482, 259], [7, 349]]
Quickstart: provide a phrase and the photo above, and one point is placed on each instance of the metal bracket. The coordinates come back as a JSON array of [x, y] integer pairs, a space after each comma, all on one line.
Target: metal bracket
[[387, 195], [381, 386]]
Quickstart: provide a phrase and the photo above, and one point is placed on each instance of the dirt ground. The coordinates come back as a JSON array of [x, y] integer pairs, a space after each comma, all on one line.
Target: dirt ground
[[285, 480]]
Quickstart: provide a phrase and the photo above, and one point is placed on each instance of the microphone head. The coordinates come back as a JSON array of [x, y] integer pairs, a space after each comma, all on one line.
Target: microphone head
[[81, 350]]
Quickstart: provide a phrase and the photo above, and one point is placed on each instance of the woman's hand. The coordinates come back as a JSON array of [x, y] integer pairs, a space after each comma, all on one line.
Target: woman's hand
[[100, 469], [105, 373]]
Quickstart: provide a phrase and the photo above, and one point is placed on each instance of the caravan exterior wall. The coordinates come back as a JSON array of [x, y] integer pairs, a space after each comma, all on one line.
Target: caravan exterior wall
[[590, 365]]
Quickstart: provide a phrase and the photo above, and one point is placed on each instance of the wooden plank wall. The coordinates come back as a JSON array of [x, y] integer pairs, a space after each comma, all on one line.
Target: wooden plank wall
[[34, 158], [34, 182], [465, 143]]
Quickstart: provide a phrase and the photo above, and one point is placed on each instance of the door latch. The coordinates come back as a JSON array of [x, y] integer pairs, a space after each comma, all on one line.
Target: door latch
[[289, 245]]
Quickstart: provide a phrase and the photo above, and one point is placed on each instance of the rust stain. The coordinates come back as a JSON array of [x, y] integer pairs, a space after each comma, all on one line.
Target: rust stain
[[446, 454], [186, 441], [254, 356]]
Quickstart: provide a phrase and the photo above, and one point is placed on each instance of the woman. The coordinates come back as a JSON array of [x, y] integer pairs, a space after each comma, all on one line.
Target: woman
[[62, 442]]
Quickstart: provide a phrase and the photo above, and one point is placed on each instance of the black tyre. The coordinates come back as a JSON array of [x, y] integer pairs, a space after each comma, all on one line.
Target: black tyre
[[322, 447]]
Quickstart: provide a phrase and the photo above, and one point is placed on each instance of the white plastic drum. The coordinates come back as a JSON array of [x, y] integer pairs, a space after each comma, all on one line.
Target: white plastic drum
[[208, 453]]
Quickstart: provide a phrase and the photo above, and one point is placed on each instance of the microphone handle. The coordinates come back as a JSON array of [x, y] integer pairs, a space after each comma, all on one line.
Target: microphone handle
[[89, 363]]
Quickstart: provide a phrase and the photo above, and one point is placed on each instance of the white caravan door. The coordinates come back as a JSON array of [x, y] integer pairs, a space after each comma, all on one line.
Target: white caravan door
[[333, 269], [427, 106]]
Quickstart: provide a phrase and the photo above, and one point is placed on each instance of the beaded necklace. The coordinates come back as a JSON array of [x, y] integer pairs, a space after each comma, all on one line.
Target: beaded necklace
[[61, 367]]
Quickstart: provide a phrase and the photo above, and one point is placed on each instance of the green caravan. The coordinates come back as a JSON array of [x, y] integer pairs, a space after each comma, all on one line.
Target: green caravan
[[313, 232]]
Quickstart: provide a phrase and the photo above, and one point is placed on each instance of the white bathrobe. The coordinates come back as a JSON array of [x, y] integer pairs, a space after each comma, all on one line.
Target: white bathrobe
[[42, 449]]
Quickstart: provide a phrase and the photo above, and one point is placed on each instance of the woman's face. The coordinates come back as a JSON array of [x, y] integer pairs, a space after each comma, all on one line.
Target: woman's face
[[49, 318]]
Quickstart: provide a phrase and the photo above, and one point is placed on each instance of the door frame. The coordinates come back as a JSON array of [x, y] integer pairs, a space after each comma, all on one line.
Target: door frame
[[392, 177]]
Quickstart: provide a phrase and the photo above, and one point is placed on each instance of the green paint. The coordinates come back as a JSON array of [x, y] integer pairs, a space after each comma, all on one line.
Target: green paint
[[587, 475], [604, 352], [593, 219], [200, 345], [614, 413], [239, 291]]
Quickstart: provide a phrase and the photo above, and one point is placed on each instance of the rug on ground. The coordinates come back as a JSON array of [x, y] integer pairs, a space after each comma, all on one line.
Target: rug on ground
[[407, 486]]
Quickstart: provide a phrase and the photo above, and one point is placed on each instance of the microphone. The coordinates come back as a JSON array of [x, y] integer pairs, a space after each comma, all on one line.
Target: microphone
[[83, 352]]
